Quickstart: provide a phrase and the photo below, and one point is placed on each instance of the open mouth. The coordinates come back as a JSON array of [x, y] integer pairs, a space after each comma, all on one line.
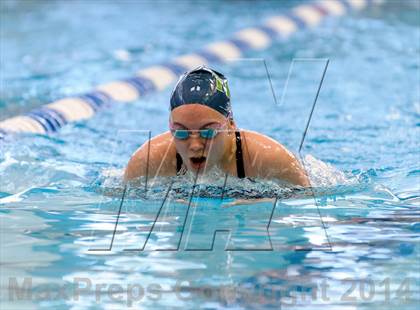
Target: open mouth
[[197, 162]]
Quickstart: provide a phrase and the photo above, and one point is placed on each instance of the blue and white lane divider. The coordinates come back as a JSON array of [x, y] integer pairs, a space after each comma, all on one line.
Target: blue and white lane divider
[[51, 117]]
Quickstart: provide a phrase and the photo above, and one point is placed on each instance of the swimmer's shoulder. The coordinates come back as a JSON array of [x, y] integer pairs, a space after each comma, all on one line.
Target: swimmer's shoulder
[[258, 144], [268, 158], [157, 159]]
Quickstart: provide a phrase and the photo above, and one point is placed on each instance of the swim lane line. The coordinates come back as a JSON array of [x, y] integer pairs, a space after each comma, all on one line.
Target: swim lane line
[[51, 117]]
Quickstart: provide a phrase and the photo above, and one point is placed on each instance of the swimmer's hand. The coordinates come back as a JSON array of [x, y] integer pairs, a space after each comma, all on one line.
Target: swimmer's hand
[[238, 202]]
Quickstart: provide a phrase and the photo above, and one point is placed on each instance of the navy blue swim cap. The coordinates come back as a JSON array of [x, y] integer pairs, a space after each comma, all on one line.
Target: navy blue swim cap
[[204, 86]]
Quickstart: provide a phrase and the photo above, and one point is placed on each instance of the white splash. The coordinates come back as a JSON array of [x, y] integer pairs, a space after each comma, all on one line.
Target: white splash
[[322, 174]]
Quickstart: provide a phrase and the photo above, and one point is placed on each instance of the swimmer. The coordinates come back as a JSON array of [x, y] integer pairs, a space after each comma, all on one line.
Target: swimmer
[[203, 134]]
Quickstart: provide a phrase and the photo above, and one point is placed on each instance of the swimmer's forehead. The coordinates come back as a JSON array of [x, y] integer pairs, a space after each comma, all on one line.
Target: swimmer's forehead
[[195, 116], [177, 124]]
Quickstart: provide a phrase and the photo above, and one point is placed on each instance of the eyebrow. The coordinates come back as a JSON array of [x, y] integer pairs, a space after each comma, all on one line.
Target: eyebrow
[[179, 124]]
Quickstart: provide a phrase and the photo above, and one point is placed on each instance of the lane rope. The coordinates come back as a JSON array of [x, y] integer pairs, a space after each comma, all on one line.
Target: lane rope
[[51, 117]]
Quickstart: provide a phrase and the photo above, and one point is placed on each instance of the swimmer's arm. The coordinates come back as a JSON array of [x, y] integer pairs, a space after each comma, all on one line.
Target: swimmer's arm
[[282, 164], [154, 160], [271, 160], [137, 165]]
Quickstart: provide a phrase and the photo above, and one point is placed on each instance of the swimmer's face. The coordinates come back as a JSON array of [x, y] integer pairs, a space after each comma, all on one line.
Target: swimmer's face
[[199, 153]]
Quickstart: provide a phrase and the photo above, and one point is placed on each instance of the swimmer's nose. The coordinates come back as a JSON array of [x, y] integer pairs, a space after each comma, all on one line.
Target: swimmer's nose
[[196, 145]]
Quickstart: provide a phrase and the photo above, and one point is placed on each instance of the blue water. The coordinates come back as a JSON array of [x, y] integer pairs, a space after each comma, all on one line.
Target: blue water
[[60, 194]]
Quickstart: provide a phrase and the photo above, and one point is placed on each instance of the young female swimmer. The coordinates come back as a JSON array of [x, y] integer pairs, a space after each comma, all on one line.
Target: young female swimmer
[[203, 134]]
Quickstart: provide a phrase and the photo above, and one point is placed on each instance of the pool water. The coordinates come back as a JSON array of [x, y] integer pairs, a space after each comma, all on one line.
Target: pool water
[[351, 243]]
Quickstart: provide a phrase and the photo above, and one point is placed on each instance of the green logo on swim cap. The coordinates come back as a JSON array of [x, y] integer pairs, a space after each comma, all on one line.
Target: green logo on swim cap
[[222, 86], [227, 89]]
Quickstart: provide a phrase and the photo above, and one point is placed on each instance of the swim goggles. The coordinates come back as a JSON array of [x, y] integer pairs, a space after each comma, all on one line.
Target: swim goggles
[[206, 133]]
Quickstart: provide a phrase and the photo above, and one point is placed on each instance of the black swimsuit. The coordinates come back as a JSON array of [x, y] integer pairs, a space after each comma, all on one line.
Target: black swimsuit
[[239, 158]]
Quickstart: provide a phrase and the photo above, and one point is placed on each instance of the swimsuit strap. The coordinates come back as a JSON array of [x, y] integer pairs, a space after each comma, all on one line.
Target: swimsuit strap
[[178, 163], [239, 158]]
